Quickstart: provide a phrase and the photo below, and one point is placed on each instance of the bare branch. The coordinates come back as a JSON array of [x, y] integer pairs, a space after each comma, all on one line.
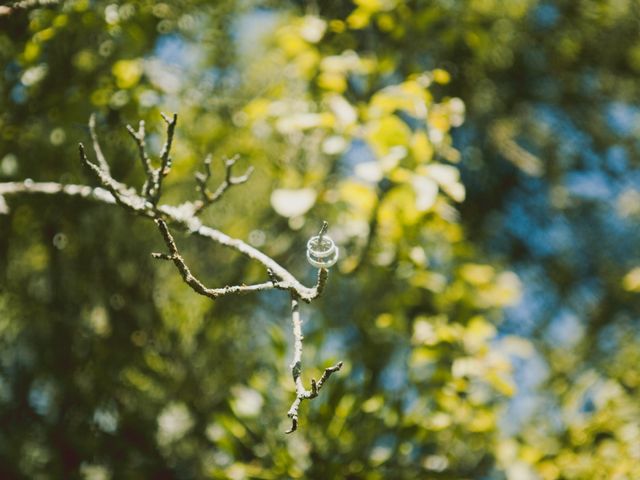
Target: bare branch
[[323, 230], [202, 179], [174, 216], [102, 162], [185, 218], [26, 5], [139, 138], [323, 276], [152, 188], [83, 191], [113, 192], [165, 158], [122, 195], [296, 368], [190, 279]]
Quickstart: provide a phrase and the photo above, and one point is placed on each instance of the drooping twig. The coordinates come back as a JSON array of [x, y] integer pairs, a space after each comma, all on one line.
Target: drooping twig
[[202, 178], [296, 368]]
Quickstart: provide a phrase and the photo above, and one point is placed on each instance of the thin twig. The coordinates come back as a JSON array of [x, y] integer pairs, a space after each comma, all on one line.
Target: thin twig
[[176, 218], [202, 179], [323, 230], [153, 191], [165, 154], [102, 161], [296, 368], [122, 195], [139, 137], [190, 279]]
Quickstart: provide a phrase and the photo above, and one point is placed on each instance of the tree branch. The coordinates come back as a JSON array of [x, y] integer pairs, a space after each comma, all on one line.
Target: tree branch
[[26, 5], [296, 368], [102, 161], [190, 279], [178, 218], [139, 138], [84, 191], [165, 158], [209, 197], [122, 195], [185, 217], [182, 216]]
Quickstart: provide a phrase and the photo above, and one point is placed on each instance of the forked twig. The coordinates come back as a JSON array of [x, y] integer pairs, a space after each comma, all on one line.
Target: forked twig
[[202, 178], [190, 279], [296, 368]]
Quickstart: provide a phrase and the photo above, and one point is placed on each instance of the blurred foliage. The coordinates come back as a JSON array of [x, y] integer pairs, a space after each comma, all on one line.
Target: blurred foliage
[[470, 252]]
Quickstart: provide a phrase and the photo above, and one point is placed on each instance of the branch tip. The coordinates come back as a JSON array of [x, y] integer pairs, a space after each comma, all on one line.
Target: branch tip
[[323, 230], [170, 121], [202, 178], [230, 161], [294, 424], [296, 368]]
